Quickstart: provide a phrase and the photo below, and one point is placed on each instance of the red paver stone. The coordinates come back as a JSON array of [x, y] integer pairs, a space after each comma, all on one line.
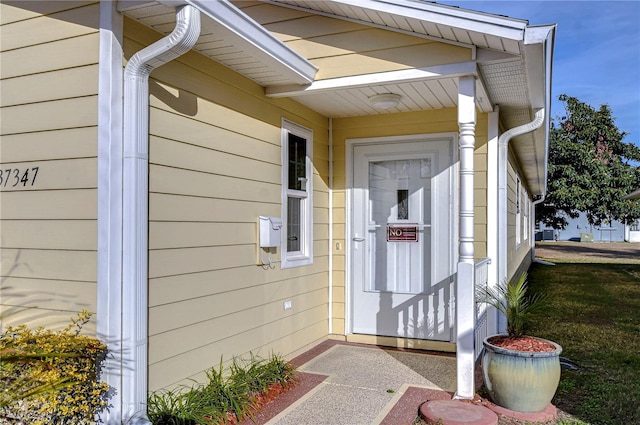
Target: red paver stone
[[548, 414], [404, 411], [453, 412]]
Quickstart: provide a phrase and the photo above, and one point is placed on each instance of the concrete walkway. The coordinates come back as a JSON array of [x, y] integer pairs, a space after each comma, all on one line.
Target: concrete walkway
[[361, 385]]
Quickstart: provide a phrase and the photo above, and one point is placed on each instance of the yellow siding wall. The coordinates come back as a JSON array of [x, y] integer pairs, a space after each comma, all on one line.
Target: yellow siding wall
[[439, 121], [49, 116], [215, 166], [340, 48], [518, 254]]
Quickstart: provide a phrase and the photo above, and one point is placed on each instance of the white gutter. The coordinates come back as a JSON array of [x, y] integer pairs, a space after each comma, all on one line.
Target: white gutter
[[503, 162], [135, 208]]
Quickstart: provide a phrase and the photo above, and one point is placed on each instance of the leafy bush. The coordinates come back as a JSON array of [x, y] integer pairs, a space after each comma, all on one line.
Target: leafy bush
[[51, 377], [228, 394]]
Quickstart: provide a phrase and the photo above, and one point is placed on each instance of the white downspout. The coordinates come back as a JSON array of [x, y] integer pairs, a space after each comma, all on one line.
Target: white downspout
[[503, 162], [135, 207]]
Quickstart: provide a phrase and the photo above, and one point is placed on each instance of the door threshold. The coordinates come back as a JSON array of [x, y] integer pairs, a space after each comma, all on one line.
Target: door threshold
[[415, 344]]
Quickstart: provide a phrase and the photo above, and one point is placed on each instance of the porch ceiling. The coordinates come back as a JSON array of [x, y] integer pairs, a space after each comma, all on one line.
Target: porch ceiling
[[502, 61], [433, 89]]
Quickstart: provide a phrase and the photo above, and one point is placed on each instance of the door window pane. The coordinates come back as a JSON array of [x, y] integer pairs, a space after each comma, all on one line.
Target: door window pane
[[403, 204], [398, 191]]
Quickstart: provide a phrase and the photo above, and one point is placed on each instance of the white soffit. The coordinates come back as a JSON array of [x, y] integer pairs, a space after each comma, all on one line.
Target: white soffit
[[230, 37]]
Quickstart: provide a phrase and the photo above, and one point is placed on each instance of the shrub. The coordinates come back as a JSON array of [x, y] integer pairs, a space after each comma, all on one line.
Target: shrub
[[511, 299], [52, 377], [227, 394]]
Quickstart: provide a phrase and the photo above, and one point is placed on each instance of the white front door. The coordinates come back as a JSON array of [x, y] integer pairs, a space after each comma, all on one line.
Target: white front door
[[402, 238]]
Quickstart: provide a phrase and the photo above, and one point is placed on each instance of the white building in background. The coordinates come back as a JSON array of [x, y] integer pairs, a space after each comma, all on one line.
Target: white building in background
[[632, 234], [579, 229]]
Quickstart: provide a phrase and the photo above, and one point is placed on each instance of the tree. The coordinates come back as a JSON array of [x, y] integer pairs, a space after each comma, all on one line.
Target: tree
[[590, 168]]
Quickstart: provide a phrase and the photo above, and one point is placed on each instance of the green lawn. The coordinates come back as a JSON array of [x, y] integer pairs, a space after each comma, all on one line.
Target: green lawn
[[593, 311]]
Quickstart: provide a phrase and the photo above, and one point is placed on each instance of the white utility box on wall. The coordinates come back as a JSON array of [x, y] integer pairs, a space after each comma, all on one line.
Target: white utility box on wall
[[269, 231], [268, 238]]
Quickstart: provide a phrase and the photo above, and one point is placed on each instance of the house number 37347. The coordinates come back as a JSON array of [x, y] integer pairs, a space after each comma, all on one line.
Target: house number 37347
[[16, 177]]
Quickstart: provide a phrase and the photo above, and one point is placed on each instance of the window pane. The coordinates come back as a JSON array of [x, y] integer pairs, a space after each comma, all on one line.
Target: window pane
[[293, 224], [297, 162], [403, 204]]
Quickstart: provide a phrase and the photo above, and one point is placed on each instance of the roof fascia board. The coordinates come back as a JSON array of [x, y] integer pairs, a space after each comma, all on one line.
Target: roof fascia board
[[538, 46], [469, 20], [402, 76], [538, 51], [233, 19], [537, 34]]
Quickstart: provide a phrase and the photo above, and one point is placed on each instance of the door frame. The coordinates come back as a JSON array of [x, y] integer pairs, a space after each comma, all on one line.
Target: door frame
[[349, 148]]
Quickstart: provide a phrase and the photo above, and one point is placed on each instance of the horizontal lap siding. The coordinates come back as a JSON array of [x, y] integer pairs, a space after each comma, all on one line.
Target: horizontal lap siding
[[341, 49], [518, 255], [49, 127], [215, 166]]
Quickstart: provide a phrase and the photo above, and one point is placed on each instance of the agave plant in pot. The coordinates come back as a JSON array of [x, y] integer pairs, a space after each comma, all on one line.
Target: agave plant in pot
[[521, 372]]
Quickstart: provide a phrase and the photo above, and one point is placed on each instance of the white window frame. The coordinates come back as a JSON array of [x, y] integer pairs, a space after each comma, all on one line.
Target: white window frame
[[304, 256], [525, 218]]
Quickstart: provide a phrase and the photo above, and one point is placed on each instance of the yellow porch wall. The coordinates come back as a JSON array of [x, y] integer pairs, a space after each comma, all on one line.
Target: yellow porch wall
[[425, 122], [215, 166], [48, 221]]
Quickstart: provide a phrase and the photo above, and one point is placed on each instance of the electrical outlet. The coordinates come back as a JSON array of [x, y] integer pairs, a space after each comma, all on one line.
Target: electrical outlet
[[287, 305]]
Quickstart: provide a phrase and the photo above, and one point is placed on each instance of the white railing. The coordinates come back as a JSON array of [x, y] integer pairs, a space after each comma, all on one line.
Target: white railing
[[481, 280]]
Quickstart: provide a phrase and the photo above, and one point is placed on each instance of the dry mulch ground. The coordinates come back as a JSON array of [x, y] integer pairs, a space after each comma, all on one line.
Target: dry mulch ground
[[589, 252]]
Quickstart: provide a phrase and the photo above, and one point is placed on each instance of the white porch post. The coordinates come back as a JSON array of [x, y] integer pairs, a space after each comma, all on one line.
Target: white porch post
[[465, 297], [109, 294]]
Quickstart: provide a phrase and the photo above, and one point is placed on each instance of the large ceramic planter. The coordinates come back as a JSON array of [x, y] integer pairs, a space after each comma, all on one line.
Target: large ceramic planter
[[521, 381]]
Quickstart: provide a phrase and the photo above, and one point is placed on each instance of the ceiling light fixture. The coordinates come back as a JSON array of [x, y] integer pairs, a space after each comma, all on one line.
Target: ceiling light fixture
[[385, 100]]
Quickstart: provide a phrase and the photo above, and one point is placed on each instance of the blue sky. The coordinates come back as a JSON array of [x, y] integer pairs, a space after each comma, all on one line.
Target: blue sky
[[597, 51]]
